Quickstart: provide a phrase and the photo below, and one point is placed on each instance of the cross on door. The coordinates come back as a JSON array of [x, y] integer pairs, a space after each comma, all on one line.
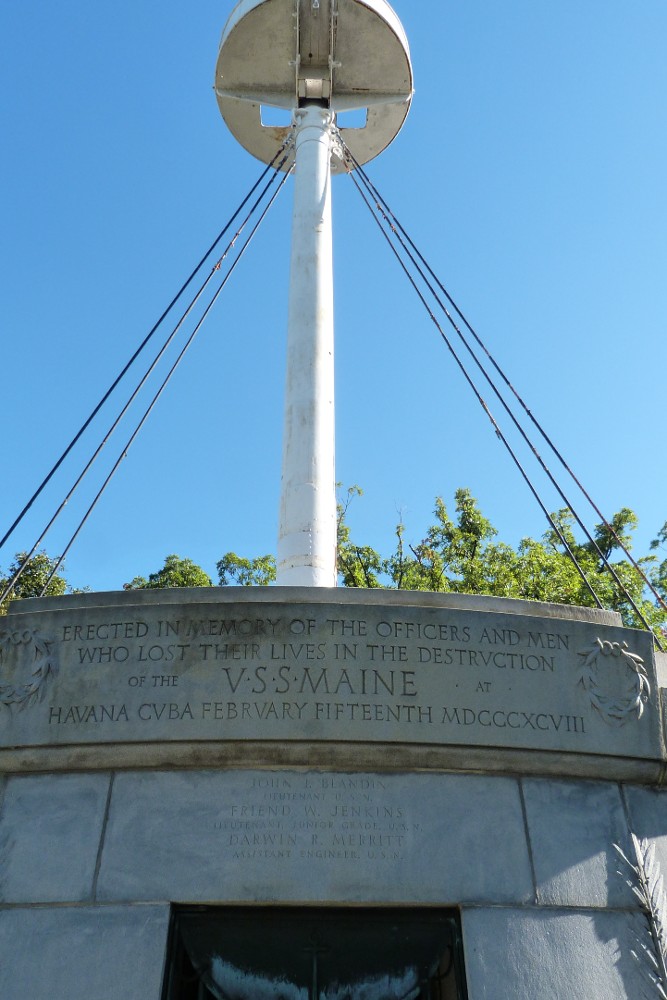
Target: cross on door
[[315, 948]]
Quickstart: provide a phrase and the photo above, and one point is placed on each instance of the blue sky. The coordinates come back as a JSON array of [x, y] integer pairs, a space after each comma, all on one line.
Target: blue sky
[[531, 173]]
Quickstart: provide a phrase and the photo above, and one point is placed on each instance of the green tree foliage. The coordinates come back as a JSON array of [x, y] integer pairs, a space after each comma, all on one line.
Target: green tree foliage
[[33, 579], [659, 574], [461, 554], [176, 572], [238, 572], [358, 565], [458, 553]]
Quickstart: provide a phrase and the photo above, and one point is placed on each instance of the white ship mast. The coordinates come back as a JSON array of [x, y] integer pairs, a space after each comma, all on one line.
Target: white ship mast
[[315, 59]]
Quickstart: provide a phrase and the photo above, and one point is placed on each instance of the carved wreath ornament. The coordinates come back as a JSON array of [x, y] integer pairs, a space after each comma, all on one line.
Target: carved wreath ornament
[[26, 663], [618, 695]]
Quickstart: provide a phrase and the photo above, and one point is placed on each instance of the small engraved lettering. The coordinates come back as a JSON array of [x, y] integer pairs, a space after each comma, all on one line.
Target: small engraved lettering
[[84, 714]]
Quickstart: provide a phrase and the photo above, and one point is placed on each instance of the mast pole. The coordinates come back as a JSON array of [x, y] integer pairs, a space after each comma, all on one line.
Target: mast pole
[[315, 58], [307, 527]]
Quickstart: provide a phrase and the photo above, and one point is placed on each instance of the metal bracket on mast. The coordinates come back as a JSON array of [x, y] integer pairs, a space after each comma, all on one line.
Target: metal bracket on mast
[[348, 54]]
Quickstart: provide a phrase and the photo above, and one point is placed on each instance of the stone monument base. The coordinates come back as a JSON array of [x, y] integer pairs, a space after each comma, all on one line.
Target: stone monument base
[[312, 750]]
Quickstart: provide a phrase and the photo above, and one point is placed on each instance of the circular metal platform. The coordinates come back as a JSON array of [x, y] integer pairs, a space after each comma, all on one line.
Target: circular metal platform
[[346, 55]]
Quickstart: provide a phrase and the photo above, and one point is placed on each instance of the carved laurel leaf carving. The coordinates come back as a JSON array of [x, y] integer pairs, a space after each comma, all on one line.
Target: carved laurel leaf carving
[[29, 689], [616, 708], [645, 880]]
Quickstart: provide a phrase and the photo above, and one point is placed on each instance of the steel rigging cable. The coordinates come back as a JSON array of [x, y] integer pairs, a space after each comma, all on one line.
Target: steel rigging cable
[[138, 351], [396, 226], [215, 268], [568, 549], [593, 543], [167, 379], [481, 400]]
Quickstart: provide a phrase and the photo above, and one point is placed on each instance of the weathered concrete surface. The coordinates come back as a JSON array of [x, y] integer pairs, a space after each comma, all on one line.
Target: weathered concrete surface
[[318, 837], [648, 818], [83, 953], [286, 666], [573, 827], [344, 757], [551, 955], [322, 595], [251, 837], [50, 829]]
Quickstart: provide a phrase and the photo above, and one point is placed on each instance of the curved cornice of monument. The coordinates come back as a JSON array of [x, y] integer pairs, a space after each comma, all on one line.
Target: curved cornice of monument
[[343, 679], [321, 595]]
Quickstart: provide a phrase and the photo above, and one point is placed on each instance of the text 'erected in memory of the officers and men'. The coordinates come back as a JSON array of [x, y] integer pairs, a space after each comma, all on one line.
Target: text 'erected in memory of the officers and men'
[[413, 674]]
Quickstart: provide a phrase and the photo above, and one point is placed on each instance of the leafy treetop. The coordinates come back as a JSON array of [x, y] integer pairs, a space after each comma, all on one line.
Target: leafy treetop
[[461, 554], [176, 572], [33, 579], [458, 553]]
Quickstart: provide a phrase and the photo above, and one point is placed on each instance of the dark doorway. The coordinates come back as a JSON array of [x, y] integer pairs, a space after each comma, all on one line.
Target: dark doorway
[[245, 953]]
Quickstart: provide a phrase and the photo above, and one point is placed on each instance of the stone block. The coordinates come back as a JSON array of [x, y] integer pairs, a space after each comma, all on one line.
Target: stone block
[[83, 953], [250, 836], [291, 667], [50, 829], [573, 826], [648, 817], [551, 955]]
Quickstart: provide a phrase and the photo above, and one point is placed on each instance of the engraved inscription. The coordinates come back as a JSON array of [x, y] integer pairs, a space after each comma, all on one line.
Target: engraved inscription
[[315, 818], [271, 671]]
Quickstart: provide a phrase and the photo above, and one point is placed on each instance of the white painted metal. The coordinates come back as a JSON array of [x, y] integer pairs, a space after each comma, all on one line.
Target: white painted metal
[[307, 532], [361, 57], [314, 58]]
